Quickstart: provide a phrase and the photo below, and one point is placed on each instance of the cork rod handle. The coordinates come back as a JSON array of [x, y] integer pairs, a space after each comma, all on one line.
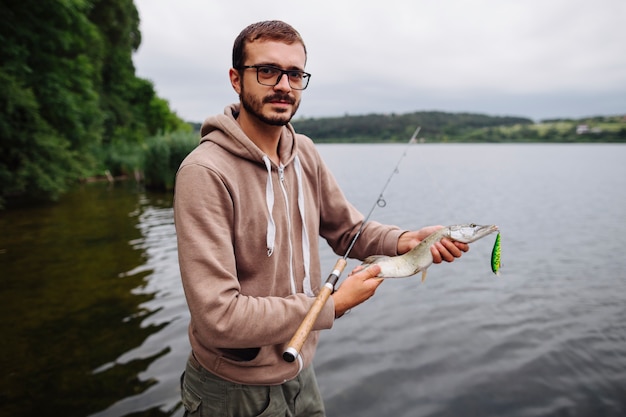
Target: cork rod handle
[[297, 341]]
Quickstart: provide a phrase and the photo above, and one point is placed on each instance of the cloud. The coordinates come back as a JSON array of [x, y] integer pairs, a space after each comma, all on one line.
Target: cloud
[[491, 56]]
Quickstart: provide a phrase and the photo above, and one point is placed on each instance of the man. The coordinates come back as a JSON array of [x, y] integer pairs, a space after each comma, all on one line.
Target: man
[[250, 203]]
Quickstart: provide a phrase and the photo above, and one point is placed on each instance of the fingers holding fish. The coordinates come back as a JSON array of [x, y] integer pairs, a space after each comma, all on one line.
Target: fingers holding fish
[[447, 250], [359, 286], [408, 240], [463, 247]]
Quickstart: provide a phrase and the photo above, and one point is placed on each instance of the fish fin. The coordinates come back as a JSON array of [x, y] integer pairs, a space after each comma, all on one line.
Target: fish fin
[[424, 275]]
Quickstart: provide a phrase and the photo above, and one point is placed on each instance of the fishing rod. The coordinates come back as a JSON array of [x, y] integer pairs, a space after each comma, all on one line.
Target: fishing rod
[[294, 346]]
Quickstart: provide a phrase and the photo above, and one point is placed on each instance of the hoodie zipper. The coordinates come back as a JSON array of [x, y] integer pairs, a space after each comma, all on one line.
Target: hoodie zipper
[[281, 176]]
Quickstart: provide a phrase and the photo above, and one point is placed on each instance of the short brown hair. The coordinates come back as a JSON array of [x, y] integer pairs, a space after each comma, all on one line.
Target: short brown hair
[[274, 30]]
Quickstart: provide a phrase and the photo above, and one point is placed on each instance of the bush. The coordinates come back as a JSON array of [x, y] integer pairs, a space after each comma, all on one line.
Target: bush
[[163, 156]]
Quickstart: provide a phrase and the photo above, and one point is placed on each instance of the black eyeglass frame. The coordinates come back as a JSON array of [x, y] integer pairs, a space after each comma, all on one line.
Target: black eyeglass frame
[[306, 77]]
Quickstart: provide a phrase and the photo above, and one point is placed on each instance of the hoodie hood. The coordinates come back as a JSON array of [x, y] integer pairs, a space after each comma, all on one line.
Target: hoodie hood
[[234, 140]]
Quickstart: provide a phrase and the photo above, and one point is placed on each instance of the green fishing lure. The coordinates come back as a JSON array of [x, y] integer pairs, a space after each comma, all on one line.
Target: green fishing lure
[[495, 256]]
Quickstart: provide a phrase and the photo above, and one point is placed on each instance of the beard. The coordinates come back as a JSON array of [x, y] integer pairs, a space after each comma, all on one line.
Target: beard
[[254, 106]]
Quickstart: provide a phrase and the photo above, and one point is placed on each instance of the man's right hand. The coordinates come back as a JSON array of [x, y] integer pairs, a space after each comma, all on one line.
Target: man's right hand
[[359, 286]]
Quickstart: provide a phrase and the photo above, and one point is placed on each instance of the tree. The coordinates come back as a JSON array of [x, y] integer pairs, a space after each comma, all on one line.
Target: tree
[[67, 89], [49, 102]]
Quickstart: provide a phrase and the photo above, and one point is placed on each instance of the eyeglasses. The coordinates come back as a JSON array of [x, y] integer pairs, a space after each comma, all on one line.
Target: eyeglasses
[[270, 76]]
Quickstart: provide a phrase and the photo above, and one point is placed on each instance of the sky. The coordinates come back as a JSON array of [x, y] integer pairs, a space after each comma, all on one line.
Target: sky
[[540, 59]]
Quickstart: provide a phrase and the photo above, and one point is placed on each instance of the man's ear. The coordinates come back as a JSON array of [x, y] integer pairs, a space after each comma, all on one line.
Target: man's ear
[[235, 80]]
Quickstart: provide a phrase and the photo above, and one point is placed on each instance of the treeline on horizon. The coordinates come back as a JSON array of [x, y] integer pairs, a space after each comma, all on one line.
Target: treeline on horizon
[[437, 126], [398, 127]]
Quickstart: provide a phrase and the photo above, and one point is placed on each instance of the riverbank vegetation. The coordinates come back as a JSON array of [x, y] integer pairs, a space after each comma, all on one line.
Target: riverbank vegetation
[[71, 105]]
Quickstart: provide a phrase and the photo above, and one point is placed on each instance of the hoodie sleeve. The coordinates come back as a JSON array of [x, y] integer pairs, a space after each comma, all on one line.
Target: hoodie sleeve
[[221, 315]]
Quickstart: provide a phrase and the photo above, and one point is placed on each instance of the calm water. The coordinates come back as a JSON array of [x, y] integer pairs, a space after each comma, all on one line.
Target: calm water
[[94, 320]]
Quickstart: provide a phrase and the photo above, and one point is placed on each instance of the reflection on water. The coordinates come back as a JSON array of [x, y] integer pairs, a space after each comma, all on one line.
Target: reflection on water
[[95, 322], [77, 299], [166, 350]]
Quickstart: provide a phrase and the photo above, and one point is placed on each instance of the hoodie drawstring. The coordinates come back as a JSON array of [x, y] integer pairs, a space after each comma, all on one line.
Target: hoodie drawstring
[[271, 226], [306, 250], [269, 200]]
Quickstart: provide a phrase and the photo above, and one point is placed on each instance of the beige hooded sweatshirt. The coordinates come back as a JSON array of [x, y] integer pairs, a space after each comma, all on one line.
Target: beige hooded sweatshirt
[[250, 271]]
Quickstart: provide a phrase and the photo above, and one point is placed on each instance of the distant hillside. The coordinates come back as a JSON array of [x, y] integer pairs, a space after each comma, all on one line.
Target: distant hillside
[[399, 127], [460, 127]]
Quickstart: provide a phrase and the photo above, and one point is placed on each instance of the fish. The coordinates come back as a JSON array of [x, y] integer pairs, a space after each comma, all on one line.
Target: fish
[[495, 256], [420, 258]]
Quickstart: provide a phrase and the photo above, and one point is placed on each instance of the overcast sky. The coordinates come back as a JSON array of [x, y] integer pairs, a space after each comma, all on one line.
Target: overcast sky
[[532, 58]]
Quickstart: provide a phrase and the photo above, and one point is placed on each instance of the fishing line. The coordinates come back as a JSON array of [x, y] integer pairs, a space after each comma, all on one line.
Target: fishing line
[[380, 201]]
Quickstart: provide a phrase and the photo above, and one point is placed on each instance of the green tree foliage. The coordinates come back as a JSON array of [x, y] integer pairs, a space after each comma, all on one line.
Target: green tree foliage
[[34, 158], [68, 90], [48, 96], [132, 109]]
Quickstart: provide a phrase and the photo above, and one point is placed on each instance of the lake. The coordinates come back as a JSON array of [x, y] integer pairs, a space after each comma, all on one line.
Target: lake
[[95, 322]]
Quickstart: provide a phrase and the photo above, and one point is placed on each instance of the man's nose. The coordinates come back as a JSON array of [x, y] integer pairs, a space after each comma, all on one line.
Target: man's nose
[[283, 83]]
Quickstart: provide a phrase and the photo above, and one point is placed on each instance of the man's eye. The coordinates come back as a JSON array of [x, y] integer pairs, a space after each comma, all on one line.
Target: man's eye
[[267, 71], [295, 75]]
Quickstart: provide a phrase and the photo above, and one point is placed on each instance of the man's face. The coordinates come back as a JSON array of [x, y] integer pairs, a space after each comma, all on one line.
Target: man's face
[[274, 105]]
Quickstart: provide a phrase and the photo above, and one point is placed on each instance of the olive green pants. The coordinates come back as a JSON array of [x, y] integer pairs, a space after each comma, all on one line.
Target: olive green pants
[[205, 394]]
